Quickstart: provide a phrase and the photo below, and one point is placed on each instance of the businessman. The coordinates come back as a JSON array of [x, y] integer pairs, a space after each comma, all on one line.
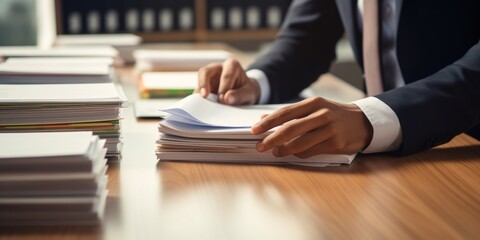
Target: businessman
[[421, 63]]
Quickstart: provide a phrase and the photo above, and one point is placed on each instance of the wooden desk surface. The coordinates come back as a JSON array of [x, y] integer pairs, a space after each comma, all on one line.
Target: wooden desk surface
[[434, 195]]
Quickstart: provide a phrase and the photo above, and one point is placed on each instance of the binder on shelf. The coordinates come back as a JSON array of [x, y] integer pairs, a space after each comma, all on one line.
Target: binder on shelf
[[184, 14], [94, 16], [253, 14], [72, 17], [235, 15], [112, 17], [148, 16], [216, 15], [274, 12], [131, 16]]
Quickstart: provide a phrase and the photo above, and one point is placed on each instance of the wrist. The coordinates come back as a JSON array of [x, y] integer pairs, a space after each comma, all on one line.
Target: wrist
[[366, 127]]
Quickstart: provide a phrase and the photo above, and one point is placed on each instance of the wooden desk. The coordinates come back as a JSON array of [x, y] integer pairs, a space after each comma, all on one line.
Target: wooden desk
[[433, 195]]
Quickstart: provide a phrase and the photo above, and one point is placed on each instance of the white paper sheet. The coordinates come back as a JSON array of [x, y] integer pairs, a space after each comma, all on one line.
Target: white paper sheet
[[44, 93], [197, 110]]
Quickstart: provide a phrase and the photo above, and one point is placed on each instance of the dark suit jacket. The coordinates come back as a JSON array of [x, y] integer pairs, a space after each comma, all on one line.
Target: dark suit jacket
[[438, 51]]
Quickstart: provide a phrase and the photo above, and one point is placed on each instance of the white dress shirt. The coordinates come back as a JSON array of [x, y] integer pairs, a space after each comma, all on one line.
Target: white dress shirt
[[387, 134]]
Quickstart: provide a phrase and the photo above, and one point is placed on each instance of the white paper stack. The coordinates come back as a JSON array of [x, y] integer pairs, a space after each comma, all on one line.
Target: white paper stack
[[184, 60], [198, 129], [62, 61], [47, 71], [87, 51], [125, 44], [52, 178], [64, 107]]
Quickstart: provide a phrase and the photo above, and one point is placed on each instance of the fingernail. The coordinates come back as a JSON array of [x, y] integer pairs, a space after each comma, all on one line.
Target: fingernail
[[220, 98], [231, 99], [203, 92]]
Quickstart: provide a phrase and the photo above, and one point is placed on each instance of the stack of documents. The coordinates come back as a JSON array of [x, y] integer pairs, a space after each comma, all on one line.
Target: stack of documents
[[125, 44], [64, 107], [48, 71], [198, 129], [62, 61], [86, 51], [167, 84], [52, 178], [172, 60]]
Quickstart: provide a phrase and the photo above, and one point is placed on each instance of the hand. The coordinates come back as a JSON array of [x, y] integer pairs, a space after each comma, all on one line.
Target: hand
[[229, 81], [315, 126]]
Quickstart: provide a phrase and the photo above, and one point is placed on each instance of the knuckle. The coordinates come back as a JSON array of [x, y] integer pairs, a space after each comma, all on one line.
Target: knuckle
[[232, 61], [327, 114], [316, 100]]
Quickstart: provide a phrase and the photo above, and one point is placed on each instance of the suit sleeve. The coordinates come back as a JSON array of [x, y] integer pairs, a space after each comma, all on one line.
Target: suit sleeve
[[435, 109], [303, 49]]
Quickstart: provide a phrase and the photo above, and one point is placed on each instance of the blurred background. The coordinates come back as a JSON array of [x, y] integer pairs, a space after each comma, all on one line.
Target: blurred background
[[249, 25], [18, 22]]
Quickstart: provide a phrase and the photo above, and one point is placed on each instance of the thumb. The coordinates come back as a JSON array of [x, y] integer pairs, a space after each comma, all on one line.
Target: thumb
[[244, 95]]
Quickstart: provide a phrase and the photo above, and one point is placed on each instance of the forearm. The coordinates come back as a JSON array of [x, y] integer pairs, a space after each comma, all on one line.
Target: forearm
[[435, 109]]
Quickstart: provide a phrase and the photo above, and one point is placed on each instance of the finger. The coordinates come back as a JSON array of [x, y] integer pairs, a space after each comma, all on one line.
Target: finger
[[208, 79], [240, 96], [295, 128], [230, 73], [263, 116], [304, 142], [285, 114]]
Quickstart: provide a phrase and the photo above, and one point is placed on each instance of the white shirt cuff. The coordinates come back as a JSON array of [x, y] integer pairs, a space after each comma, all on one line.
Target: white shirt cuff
[[387, 132], [262, 80]]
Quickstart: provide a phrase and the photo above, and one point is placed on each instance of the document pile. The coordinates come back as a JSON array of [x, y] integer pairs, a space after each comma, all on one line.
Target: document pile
[[125, 44], [56, 70], [177, 60], [198, 129], [52, 178], [70, 52], [64, 107]]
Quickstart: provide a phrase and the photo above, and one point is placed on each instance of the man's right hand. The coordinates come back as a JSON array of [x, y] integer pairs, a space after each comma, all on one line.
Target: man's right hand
[[229, 81]]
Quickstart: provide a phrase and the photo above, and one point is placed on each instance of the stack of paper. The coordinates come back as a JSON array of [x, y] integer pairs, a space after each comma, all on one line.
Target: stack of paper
[[62, 61], [125, 44], [86, 51], [51, 72], [167, 84], [64, 107], [198, 129], [184, 60], [52, 178]]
